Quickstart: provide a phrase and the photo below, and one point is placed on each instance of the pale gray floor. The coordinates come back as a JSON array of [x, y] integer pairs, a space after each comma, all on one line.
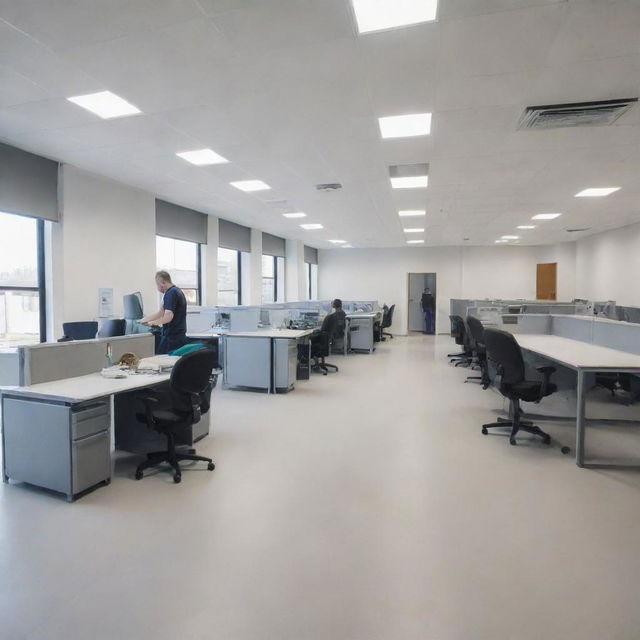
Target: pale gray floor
[[365, 505]]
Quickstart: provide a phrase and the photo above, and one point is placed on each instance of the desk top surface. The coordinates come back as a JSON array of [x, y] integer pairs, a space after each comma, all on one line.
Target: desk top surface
[[89, 387], [577, 354], [272, 333]]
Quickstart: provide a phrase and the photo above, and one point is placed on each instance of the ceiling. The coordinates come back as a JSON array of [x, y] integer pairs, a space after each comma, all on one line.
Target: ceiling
[[290, 94]]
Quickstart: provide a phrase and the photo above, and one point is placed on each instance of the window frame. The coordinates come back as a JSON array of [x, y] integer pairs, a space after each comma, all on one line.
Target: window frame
[[198, 288], [40, 287]]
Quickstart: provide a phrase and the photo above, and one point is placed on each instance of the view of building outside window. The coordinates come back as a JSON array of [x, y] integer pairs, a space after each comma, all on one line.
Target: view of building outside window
[[19, 295], [180, 259], [228, 277], [268, 279]]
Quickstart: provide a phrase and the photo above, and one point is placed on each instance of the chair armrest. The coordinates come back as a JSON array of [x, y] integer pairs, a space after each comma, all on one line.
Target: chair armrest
[[546, 371], [196, 412], [149, 402]]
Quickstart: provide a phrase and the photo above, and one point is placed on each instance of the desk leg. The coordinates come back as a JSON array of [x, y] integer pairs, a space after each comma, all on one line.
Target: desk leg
[[580, 419]]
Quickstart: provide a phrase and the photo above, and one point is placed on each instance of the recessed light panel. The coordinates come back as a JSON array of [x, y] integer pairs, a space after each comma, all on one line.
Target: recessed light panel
[[409, 126], [299, 214], [415, 241], [311, 227], [338, 241], [105, 104], [596, 192], [410, 213], [378, 15], [416, 230], [346, 246], [410, 182], [500, 241], [250, 185], [546, 216], [201, 157], [510, 237], [526, 226]]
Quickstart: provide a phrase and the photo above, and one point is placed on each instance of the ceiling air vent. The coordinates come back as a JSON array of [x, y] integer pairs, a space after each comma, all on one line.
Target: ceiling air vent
[[329, 186], [576, 114], [576, 230]]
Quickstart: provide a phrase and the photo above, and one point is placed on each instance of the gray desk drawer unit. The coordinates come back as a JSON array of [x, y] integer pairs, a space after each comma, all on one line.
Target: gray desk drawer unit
[[61, 447]]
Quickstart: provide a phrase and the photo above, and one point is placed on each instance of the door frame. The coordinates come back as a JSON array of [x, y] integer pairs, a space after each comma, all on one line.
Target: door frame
[[435, 311]]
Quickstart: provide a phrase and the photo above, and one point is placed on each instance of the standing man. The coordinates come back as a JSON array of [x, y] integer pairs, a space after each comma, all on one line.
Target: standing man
[[428, 304], [172, 315]]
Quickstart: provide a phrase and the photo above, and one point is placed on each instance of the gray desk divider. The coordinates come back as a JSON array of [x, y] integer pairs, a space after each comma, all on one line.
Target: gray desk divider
[[57, 360], [575, 328], [523, 323], [617, 335]]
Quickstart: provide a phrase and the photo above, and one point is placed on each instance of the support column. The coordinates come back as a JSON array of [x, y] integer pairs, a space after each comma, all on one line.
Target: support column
[[255, 285], [296, 279], [209, 255]]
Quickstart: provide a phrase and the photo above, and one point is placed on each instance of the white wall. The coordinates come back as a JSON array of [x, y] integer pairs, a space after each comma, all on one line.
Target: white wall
[[608, 264], [106, 238], [462, 272]]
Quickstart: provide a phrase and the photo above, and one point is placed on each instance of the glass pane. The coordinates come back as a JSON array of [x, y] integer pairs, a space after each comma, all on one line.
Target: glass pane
[[186, 255], [164, 253], [180, 259], [227, 277], [307, 275], [18, 251], [19, 317], [267, 267], [191, 295], [314, 281], [268, 290]]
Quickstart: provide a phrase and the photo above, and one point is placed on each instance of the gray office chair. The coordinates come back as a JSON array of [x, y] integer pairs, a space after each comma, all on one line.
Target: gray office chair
[[112, 327], [79, 331]]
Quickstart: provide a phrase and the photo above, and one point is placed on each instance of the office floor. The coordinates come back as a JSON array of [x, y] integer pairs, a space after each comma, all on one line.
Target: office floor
[[365, 505]]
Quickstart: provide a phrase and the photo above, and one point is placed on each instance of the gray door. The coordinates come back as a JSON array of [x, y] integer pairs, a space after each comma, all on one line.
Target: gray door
[[418, 282]]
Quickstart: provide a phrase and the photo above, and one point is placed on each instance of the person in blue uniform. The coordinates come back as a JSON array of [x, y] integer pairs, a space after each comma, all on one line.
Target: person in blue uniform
[[171, 317]]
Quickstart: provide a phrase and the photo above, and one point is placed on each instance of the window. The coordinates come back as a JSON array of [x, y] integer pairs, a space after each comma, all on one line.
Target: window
[[272, 279], [22, 304], [182, 260], [229, 268], [311, 273]]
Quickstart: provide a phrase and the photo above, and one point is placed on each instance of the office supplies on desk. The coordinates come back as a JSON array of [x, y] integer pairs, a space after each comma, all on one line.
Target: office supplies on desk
[[158, 363]]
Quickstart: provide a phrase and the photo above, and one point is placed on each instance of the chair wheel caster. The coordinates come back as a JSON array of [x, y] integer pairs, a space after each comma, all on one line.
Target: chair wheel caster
[[512, 441], [565, 450], [211, 466], [484, 431], [177, 479], [139, 475], [547, 440]]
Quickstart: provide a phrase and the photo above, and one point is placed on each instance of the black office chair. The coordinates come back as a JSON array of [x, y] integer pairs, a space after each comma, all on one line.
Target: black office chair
[[112, 327], [79, 331], [461, 336], [332, 330], [387, 320], [170, 413], [476, 332], [504, 353]]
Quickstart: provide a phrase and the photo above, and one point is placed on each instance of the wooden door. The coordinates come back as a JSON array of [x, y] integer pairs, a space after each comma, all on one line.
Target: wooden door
[[546, 280]]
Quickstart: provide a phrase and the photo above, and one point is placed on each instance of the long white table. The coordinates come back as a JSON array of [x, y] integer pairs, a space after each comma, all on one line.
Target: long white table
[[584, 358]]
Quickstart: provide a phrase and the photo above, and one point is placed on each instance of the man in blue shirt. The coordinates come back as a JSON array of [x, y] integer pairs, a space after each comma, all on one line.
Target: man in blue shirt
[[172, 315]]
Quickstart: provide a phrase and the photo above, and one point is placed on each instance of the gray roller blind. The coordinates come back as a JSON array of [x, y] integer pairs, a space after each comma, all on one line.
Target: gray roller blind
[[310, 255], [273, 245], [28, 184], [174, 221], [233, 236]]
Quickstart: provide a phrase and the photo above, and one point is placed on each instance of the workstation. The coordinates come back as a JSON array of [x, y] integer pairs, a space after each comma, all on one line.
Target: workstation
[[238, 243]]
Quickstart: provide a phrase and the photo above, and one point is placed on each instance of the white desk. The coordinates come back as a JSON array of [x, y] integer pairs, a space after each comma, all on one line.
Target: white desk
[[583, 358]]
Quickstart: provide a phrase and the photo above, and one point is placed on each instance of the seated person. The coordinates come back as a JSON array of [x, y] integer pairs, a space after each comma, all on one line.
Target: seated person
[[333, 323]]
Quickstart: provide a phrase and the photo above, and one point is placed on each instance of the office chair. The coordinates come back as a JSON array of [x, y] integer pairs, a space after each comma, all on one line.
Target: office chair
[[175, 410], [387, 320], [460, 334], [476, 331], [332, 328], [112, 327], [79, 331], [505, 354]]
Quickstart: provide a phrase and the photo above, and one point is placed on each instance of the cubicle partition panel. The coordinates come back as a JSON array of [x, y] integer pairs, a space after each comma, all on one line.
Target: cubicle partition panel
[[616, 335], [576, 328], [57, 360], [517, 323]]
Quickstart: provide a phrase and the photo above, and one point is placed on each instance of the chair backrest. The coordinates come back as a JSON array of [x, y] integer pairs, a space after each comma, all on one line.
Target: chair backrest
[[458, 329], [333, 324], [132, 304], [112, 327], [504, 351], [392, 308], [476, 329], [80, 330], [192, 375]]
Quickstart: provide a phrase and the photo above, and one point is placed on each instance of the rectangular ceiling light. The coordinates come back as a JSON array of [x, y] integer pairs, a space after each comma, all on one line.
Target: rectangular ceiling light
[[415, 241], [410, 182], [250, 185], [500, 241], [105, 104], [338, 241], [546, 216], [409, 126], [526, 226], [510, 237], [347, 246], [596, 192], [409, 213], [416, 230], [202, 157], [378, 15], [311, 227]]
